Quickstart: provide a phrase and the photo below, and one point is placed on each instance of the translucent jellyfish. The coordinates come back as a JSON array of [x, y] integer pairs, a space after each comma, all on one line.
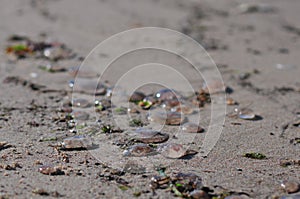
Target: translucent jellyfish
[[77, 142], [139, 150], [149, 136]]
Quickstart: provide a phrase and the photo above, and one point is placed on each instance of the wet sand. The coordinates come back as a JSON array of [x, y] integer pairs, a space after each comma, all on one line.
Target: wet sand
[[256, 53]]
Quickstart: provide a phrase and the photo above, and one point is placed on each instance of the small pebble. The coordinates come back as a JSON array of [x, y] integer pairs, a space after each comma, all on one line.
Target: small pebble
[[137, 96], [230, 101], [199, 194], [290, 186], [51, 170]]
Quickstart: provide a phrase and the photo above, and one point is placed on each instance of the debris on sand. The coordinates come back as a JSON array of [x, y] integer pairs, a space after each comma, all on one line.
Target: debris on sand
[[289, 162], [12, 166], [4, 145], [230, 101], [296, 123], [202, 98], [145, 104], [23, 47], [136, 123], [52, 68], [246, 8], [43, 192], [184, 185], [258, 156], [51, 170], [108, 129], [18, 80]]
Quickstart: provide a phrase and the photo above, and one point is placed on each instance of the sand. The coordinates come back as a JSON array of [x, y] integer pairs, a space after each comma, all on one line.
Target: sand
[[262, 44]]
